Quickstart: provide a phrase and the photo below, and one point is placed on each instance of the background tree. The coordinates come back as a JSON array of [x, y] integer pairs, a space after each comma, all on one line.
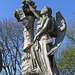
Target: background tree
[[0, 62], [11, 39]]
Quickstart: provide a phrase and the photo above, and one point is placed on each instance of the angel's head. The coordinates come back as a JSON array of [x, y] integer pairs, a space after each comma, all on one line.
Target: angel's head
[[46, 10]]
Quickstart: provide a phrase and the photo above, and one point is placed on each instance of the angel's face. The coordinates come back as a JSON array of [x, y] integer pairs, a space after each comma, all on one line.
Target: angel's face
[[44, 10]]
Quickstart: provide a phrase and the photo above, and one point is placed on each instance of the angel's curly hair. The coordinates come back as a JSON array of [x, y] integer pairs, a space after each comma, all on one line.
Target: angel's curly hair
[[49, 9]]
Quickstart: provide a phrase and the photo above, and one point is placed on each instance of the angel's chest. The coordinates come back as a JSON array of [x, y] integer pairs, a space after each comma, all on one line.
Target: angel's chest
[[40, 25]]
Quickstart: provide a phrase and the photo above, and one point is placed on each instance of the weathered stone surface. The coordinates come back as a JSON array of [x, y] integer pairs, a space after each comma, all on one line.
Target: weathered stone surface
[[19, 14], [38, 56]]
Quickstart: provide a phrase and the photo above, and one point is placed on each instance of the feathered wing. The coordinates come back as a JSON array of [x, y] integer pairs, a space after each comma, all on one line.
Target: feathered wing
[[60, 26]]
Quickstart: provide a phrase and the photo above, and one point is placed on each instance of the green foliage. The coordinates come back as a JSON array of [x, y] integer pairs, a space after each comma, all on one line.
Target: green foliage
[[67, 58], [66, 61]]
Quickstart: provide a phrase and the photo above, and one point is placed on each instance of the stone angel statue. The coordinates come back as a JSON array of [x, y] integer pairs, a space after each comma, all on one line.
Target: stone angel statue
[[40, 48], [48, 28]]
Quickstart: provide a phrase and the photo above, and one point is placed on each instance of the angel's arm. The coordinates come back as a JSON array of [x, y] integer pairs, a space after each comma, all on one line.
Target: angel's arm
[[34, 12], [44, 28]]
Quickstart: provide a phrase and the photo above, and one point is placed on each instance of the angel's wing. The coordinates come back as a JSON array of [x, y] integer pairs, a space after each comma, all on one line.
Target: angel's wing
[[60, 26]]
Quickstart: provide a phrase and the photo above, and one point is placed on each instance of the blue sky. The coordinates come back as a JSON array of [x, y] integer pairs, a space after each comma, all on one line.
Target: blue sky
[[66, 7]]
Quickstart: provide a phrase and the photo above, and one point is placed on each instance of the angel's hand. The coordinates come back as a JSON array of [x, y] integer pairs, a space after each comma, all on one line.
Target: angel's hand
[[50, 53], [36, 38]]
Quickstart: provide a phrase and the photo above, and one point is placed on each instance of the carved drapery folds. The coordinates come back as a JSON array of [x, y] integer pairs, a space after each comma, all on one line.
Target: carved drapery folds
[[38, 52]]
